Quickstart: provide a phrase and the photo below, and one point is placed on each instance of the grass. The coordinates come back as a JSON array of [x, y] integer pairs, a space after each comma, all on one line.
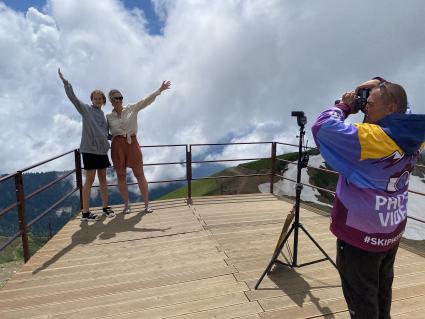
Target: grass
[[199, 188], [14, 252], [267, 163]]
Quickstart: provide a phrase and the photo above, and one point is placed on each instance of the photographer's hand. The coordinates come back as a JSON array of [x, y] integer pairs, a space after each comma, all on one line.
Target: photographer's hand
[[368, 84], [348, 98]]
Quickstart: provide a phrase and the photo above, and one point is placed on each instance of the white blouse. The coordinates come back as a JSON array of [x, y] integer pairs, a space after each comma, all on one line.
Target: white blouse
[[126, 124]]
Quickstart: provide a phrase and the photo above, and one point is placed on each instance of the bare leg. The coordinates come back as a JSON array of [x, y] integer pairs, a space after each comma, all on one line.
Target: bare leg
[[122, 184], [143, 184], [90, 175], [101, 175]]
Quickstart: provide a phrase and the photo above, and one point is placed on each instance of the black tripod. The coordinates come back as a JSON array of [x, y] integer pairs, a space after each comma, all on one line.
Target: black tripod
[[302, 162]]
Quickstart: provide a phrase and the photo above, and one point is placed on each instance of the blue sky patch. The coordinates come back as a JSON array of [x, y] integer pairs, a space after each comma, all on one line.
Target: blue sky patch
[[154, 24]]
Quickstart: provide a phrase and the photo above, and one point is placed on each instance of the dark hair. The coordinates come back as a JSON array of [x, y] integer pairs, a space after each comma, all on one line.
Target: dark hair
[[112, 92], [394, 93], [98, 92]]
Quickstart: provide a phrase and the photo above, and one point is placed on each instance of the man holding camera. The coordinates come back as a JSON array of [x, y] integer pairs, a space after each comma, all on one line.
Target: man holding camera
[[374, 159]]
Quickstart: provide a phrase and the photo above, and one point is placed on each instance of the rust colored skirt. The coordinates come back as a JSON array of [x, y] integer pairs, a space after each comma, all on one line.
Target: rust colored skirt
[[126, 155]]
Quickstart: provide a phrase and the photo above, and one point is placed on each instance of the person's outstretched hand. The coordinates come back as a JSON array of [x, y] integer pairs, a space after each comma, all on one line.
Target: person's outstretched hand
[[165, 86], [61, 75]]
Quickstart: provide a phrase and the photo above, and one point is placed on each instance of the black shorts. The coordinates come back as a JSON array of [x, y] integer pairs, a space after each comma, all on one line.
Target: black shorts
[[94, 161]]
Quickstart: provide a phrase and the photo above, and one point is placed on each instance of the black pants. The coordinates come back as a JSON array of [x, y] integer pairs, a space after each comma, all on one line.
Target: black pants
[[367, 279]]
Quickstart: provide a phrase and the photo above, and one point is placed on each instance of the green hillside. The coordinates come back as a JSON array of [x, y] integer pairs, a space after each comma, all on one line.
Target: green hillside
[[14, 251], [241, 185]]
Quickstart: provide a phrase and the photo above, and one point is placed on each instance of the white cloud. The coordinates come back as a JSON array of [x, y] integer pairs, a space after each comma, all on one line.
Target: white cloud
[[237, 68]]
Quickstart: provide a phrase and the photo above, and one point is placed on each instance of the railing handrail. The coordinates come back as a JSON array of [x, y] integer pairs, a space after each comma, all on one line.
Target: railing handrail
[[6, 177], [296, 145], [21, 198], [47, 186], [230, 160], [46, 161], [234, 143], [164, 145]]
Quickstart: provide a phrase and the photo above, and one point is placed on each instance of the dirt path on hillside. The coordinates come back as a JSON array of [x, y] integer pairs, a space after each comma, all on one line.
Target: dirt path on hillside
[[244, 185]]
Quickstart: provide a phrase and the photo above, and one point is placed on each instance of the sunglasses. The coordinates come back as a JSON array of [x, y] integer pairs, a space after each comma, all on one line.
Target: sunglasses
[[118, 98]]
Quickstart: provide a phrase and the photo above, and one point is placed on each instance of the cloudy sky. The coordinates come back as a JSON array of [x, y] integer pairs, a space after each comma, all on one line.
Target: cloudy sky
[[237, 67]]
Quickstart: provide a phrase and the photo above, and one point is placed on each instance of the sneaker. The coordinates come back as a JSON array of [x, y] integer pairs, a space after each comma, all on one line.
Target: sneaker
[[148, 209], [89, 217], [126, 210], [108, 212]]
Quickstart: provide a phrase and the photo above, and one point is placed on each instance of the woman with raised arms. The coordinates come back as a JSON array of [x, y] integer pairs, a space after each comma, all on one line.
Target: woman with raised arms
[[125, 149], [94, 147]]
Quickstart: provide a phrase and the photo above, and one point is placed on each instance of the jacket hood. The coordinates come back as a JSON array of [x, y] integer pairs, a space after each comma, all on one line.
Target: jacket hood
[[407, 130]]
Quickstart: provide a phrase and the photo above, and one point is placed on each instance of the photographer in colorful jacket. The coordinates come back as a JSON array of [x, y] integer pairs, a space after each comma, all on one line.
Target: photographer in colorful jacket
[[374, 160]]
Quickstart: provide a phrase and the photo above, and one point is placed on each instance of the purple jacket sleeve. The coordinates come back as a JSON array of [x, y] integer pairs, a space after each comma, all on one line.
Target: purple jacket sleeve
[[337, 141]]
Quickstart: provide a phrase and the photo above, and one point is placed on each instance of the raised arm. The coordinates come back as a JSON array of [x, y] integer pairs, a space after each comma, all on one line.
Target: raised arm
[[79, 105], [166, 85]]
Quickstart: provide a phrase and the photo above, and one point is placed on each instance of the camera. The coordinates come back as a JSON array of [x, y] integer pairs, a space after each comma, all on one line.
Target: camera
[[301, 118], [361, 99]]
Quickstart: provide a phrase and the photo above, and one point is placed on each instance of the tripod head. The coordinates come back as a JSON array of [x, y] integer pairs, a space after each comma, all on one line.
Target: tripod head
[[301, 118], [303, 157]]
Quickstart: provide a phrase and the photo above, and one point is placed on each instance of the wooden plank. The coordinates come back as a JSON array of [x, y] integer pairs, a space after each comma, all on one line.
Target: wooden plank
[[146, 292], [313, 295], [65, 291], [142, 261], [307, 310], [418, 313], [126, 254], [248, 310], [117, 300], [138, 269], [155, 241], [131, 309]]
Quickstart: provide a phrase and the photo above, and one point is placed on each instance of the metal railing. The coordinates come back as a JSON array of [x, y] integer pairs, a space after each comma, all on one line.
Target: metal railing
[[21, 198]]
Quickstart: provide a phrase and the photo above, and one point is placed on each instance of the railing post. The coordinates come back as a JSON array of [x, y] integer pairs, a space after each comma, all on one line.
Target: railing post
[[20, 199], [79, 175], [189, 173], [273, 166]]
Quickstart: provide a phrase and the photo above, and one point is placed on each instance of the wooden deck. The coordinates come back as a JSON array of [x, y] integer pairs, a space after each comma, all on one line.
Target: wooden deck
[[198, 261]]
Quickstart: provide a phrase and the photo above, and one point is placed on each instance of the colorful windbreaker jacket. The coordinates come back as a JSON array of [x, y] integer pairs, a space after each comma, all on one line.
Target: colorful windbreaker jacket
[[374, 162]]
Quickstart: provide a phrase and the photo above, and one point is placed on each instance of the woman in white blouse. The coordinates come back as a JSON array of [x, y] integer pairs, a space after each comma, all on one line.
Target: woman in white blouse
[[125, 149]]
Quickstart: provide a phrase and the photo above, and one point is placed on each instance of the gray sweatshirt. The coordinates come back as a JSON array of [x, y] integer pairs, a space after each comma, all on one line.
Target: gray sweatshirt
[[94, 138]]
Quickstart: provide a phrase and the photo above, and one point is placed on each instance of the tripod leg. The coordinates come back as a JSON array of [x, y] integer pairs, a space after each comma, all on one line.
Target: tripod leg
[[275, 255], [317, 245]]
